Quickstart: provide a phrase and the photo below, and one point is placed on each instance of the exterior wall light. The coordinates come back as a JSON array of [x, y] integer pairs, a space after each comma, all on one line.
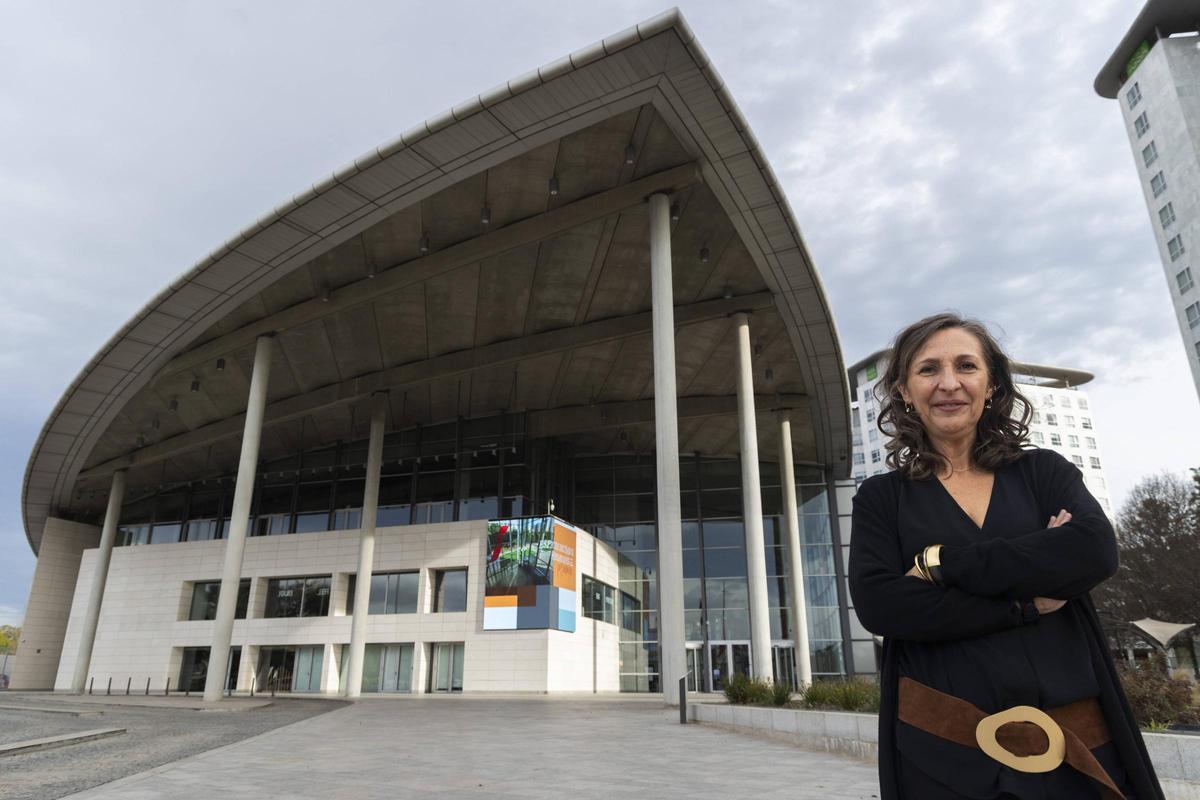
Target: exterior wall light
[[220, 365], [703, 255], [424, 244], [195, 387], [630, 154], [554, 186], [674, 212], [485, 216]]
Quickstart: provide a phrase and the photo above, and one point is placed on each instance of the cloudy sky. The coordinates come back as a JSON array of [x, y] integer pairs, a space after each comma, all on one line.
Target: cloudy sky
[[938, 155]]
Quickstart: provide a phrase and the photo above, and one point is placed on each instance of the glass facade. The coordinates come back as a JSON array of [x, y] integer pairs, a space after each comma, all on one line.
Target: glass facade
[[391, 593], [488, 468]]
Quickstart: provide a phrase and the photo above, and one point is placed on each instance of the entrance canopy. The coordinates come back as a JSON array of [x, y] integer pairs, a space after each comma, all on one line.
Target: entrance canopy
[[493, 259]]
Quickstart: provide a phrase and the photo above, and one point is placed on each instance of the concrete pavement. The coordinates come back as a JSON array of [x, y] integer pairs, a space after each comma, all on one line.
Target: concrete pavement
[[491, 747]]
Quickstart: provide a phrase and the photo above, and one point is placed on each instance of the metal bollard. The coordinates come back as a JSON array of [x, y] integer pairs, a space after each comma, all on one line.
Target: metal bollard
[[252, 682], [92, 681], [683, 700], [108, 691], [128, 683], [147, 687], [167, 688]]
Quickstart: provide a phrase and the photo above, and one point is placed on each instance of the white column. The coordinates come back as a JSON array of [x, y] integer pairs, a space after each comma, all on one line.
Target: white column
[[108, 535], [756, 563], [235, 544], [366, 546], [799, 613], [672, 663]]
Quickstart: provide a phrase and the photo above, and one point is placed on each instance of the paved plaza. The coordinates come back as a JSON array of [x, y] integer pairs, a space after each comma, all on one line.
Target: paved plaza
[[497, 747]]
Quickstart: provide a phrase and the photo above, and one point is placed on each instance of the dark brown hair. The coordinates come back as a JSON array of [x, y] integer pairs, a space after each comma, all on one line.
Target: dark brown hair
[[998, 436]]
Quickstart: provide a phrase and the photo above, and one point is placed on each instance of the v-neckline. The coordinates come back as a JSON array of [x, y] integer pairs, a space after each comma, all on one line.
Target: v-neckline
[[986, 513]]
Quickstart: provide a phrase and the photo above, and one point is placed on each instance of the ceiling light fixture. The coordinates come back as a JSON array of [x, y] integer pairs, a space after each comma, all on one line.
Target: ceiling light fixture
[[195, 387], [220, 365], [485, 216], [554, 186], [630, 154], [424, 244], [703, 255], [674, 212]]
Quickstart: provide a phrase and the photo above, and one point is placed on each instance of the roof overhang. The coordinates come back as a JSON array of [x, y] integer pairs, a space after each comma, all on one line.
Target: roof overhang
[[1158, 18], [657, 63]]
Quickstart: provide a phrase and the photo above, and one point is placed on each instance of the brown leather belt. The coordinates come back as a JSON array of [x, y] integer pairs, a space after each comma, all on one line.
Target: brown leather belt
[[1022, 737]]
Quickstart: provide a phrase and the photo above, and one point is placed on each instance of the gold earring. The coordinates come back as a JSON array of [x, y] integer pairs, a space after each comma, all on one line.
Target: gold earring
[[908, 407], [988, 403]]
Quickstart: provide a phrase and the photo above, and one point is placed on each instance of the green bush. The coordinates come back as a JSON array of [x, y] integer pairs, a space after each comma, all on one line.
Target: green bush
[[854, 694], [1156, 698], [742, 690]]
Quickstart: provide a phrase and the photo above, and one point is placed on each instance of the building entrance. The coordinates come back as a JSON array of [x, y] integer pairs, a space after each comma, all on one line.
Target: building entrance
[[728, 658], [290, 669], [447, 672]]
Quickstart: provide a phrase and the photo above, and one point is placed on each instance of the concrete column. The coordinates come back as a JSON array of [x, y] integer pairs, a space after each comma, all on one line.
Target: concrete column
[[235, 544], [791, 517], [366, 546], [672, 663], [756, 560], [108, 535]]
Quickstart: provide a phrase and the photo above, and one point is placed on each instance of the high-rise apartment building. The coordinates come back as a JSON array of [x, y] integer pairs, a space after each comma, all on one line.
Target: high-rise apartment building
[[1154, 74], [1063, 419]]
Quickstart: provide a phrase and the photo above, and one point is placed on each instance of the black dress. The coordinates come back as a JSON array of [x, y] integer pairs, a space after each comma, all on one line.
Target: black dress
[[967, 639]]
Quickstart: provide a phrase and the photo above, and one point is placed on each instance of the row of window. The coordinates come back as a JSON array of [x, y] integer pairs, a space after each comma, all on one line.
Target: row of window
[[1067, 420], [1056, 440], [391, 593]]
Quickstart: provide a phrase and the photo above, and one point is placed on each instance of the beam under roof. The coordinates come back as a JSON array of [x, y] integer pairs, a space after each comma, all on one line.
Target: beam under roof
[[462, 362], [510, 237], [601, 416]]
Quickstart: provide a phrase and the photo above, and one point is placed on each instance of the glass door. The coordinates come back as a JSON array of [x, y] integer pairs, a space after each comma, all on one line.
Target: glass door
[[447, 672], [695, 668], [396, 668], [740, 658], [307, 674], [785, 665], [719, 655]]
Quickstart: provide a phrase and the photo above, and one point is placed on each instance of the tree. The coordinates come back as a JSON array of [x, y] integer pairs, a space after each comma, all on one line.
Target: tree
[[1158, 533], [9, 636]]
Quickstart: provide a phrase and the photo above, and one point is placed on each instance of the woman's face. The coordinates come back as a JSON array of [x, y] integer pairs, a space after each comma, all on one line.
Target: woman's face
[[947, 384]]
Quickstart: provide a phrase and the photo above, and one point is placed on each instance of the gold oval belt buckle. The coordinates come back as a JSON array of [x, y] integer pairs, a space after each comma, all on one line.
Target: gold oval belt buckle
[[985, 735]]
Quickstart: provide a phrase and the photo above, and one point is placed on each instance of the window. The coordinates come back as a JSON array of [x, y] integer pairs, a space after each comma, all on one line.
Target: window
[[1175, 247], [872, 435], [1073, 440], [1091, 442], [1149, 154], [298, 597], [391, 593], [1166, 215], [449, 590], [859, 458], [860, 476], [870, 415], [1133, 96], [1037, 418], [874, 456], [1183, 279], [1094, 461], [1141, 124], [1055, 440], [1158, 183], [1038, 438], [1085, 423], [1193, 315], [1099, 482], [1197, 346], [206, 593], [1064, 401], [1051, 419], [1068, 420], [1077, 461], [600, 600], [1082, 403]]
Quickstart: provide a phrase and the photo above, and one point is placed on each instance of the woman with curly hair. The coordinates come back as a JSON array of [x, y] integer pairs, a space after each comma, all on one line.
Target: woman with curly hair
[[973, 558]]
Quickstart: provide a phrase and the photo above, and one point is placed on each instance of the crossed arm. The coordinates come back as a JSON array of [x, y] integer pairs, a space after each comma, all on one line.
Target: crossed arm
[[982, 580]]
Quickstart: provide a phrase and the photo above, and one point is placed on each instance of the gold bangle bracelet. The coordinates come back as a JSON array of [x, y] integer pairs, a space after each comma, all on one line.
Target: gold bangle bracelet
[[933, 555]]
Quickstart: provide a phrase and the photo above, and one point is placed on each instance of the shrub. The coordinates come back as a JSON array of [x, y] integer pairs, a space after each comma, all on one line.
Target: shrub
[[742, 690], [854, 694], [1156, 698]]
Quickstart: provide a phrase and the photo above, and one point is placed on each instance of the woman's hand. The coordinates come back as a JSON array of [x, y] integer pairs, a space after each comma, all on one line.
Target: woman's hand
[[1048, 605]]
